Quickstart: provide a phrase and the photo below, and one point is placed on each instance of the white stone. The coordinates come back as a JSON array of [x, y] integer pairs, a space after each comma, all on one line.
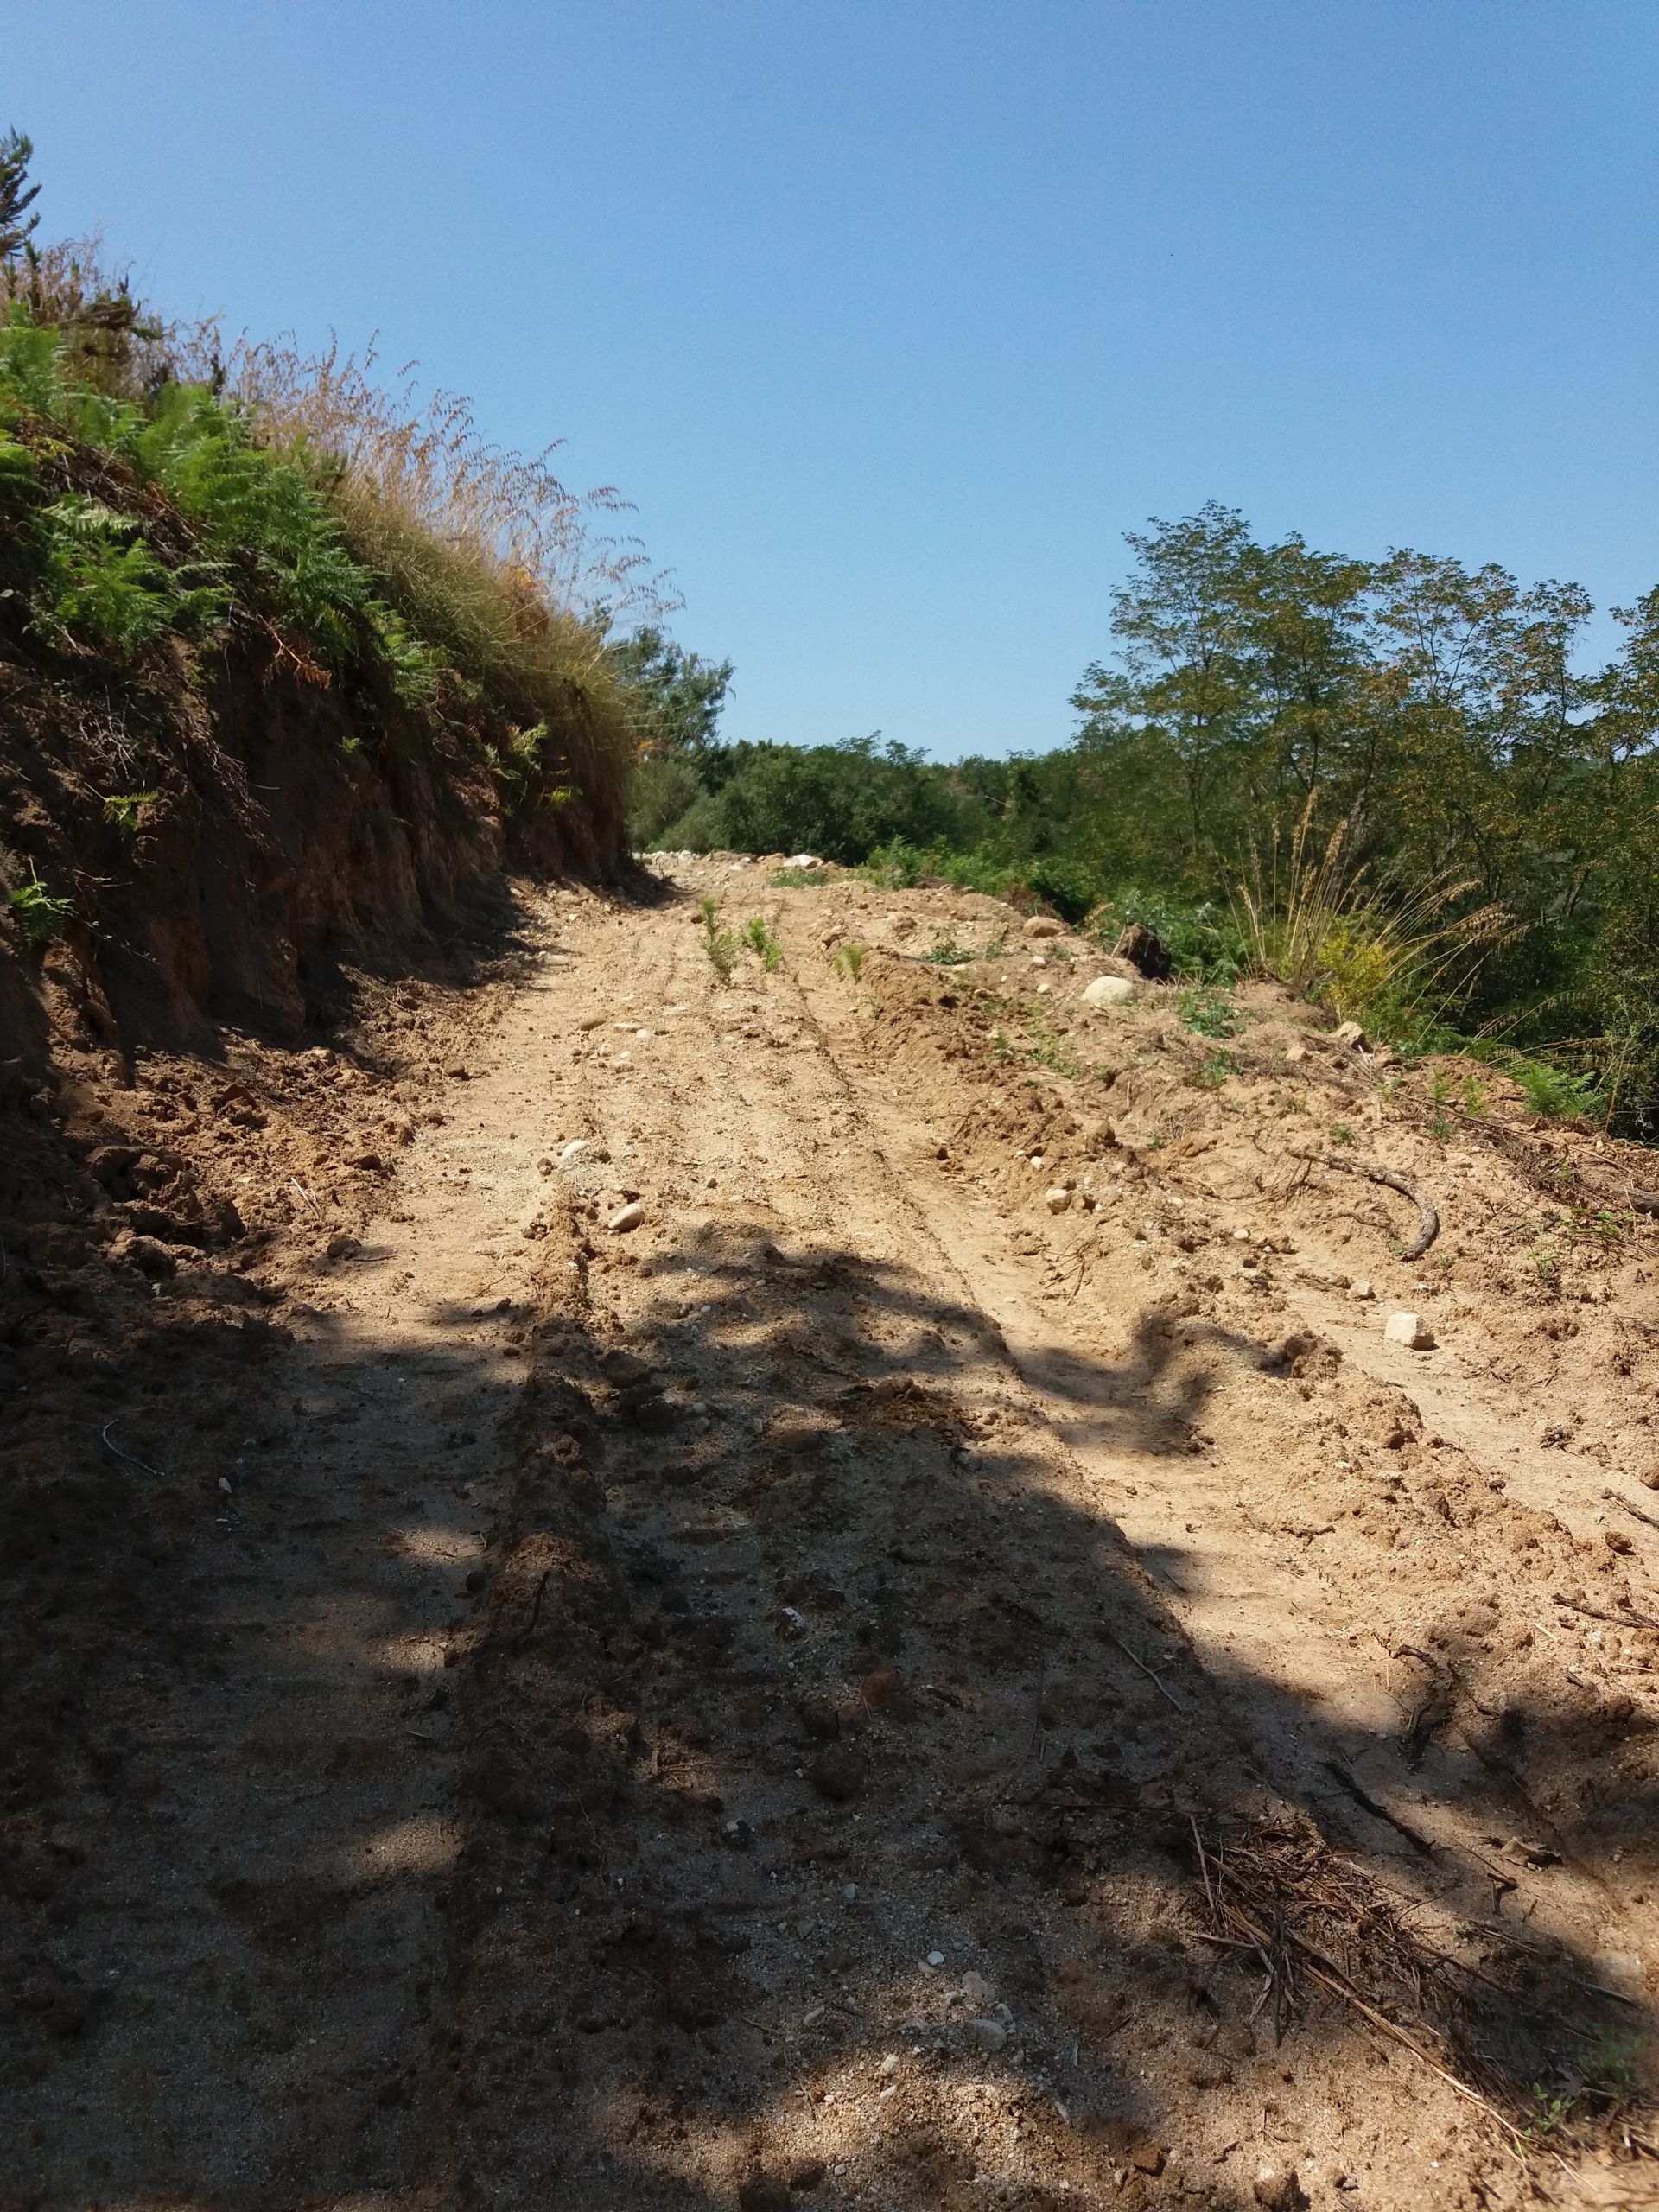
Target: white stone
[[1362, 1291], [1109, 990], [1349, 1033], [571, 1152], [625, 1217], [1057, 1199], [936, 1958], [1044, 926], [802, 859], [1410, 1330]]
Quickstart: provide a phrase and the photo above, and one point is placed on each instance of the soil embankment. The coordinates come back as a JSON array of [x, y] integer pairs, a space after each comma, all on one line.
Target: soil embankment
[[952, 1662]]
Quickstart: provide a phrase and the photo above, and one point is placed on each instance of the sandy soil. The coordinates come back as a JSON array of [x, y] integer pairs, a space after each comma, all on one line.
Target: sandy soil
[[950, 1664]]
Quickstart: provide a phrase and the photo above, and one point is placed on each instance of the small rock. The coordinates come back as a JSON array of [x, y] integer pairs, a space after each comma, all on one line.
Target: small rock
[[1277, 2188], [986, 2035], [936, 1958], [591, 1021], [737, 1835], [1410, 1330], [1362, 1291], [791, 1625], [1044, 926], [1109, 990], [849, 1893], [1057, 1198], [625, 1217], [342, 1245], [1617, 1541], [1294, 1055], [976, 1989], [838, 1772], [1351, 1034], [571, 1152]]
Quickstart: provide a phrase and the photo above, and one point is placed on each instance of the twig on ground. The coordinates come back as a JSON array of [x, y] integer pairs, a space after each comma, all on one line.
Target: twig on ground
[[1374, 1172], [1154, 1679], [154, 1472]]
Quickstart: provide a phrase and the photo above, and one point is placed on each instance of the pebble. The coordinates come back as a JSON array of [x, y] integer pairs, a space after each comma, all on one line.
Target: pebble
[[625, 1217], [1057, 1199], [1410, 1330], [1044, 926], [791, 1625], [572, 1152], [1362, 1291], [1349, 1033], [1109, 990], [591, 1021], [849, 1893], [976, 1989], [936, 1958], [989, 2035]]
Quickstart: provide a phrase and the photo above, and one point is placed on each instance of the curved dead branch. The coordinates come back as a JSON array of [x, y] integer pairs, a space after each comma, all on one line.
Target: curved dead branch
[[1428, 1213]]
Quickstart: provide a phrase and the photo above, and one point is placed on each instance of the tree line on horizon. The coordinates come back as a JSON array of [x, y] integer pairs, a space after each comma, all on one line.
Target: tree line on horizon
[[1433, 717]]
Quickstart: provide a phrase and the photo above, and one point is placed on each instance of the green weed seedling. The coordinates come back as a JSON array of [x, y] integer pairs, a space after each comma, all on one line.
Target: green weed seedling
[[1474, 1097], [1216, 1069], [718, 942], [948, 955], [1208, 1011], [762, 942], [40, 916], [1341, 1134], [122, 809], [849, 962]]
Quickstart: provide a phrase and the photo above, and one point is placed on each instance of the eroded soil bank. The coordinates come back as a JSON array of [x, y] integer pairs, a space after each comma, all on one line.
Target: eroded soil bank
[[952, 1665]]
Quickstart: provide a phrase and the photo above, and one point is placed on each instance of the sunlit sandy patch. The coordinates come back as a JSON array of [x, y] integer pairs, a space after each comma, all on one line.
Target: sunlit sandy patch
[[426, 1844], [439, 1547], [412, 1655]]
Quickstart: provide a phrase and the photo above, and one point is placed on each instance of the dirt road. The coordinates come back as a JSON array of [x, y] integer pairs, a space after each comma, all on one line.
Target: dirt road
[[873, 1684]]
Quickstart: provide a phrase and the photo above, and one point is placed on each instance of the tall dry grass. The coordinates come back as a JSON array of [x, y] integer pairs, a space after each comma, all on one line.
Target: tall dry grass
[[513, 578], [1397, 954]]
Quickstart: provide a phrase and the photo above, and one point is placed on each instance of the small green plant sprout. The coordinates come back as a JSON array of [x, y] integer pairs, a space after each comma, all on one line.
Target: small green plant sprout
[[1547, 1267], [997, 946], [718, 942], [797, 879], [1607, 1225], [39, 915], [1606, 2062], [1475, 1096], [1216, 1069], [762, 942], [1552, 1094], [1341, 1134], [849, 962], [1549, 2115], [1442, 1091], [122, 809], [1208, 1011], [948, 955]]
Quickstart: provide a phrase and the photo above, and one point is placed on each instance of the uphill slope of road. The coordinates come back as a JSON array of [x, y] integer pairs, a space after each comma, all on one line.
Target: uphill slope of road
[[942, 1660]]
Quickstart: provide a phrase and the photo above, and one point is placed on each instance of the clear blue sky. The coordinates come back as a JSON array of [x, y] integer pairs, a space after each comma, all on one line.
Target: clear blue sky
[[892, 318]]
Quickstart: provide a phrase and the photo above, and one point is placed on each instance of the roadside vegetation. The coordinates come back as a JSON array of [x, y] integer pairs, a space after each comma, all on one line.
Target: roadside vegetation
[[1395, 784], [164, 491]]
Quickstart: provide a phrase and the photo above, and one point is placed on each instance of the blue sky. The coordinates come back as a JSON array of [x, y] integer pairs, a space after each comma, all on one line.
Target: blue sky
[[892, 318]]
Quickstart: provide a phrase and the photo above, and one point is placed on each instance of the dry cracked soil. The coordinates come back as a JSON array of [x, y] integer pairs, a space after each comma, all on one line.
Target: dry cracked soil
[[627, 1590]]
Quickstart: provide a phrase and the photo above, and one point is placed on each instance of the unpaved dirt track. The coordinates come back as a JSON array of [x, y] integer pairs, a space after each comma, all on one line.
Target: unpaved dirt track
[[719, 1713]]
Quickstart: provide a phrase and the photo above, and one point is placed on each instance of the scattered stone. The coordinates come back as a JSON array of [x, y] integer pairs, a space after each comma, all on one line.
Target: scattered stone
[[791, 1625], [1650, 1477], [1109, 990], [737, 1835], [1349, 1033], [1044, 926], [976, 1989], [571, 1152], [1295, 1054], [1362, 1291], [1144, 951], [804, 859], [936, 1958], [591, 1021], [839, 1772], [986, 2035], [1057, 1198], [1617, 1541], [342, 1245], [625, 1217], [849, 1893], [1410, 1330], [1278, 2189]]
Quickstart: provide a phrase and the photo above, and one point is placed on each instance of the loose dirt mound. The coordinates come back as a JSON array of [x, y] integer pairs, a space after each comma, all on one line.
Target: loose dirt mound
[[954, 1662]]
